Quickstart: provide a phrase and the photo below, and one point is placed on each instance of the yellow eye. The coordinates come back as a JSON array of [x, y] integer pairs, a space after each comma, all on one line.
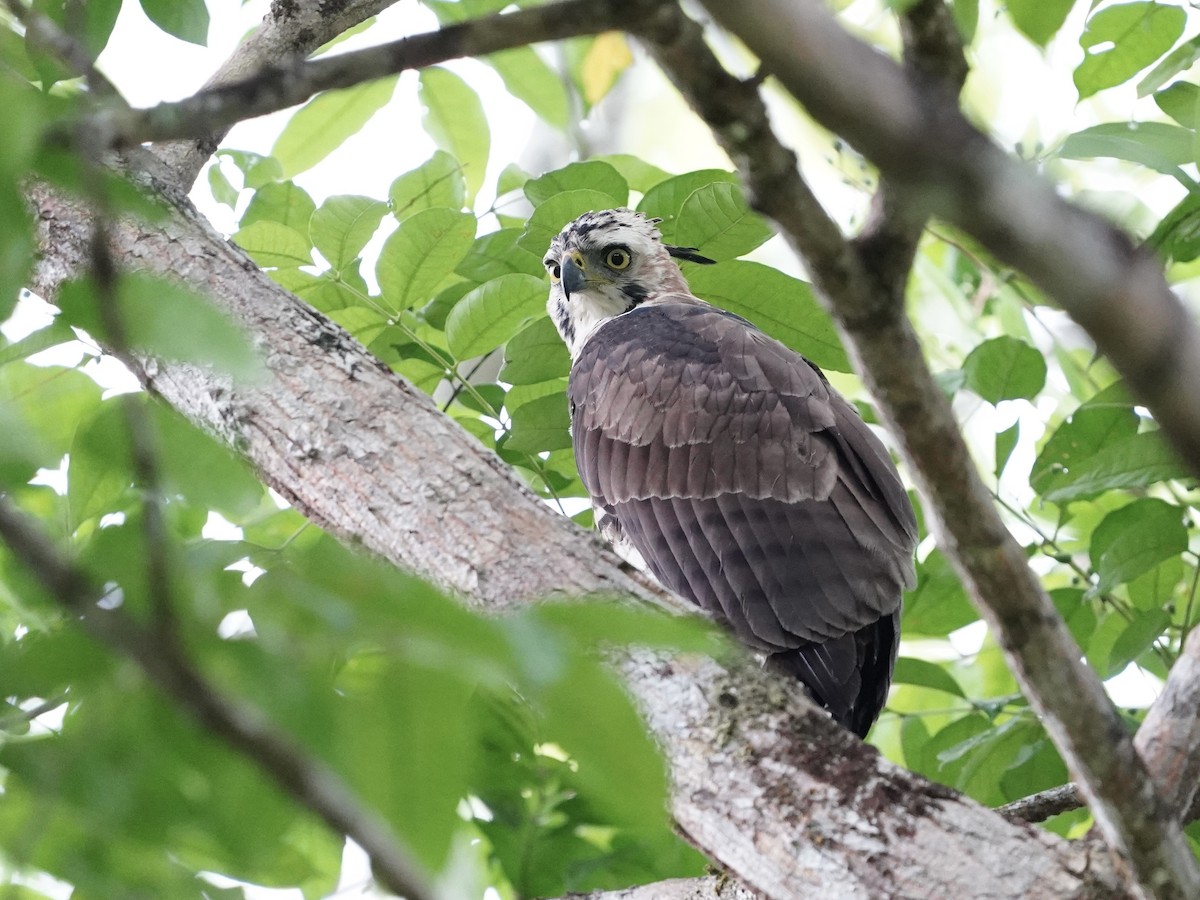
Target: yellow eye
[[617, 258]]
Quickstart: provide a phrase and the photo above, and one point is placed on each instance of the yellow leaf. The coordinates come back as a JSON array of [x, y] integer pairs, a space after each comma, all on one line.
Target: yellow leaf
[[606, 59]]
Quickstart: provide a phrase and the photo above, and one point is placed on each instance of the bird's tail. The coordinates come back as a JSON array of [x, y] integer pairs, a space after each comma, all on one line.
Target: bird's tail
[[848, 675]]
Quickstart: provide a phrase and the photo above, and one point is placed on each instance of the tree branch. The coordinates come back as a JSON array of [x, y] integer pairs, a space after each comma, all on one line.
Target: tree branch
[[293, 81], [241, 726], [712, 887], [1076, 711], [288, 31]]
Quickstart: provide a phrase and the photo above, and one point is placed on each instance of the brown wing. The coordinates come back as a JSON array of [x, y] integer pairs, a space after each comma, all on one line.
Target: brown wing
[[748, 485]]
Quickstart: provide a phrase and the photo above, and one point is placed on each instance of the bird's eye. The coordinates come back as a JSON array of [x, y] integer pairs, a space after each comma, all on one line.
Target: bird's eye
[[553, 268], [617, 258]]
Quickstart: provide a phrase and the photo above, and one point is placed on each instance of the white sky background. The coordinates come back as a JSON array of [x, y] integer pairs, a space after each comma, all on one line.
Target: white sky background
[[1026, 98]]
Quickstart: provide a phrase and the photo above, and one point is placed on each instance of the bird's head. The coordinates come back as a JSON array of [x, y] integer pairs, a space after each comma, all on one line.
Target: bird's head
[[606, 263]]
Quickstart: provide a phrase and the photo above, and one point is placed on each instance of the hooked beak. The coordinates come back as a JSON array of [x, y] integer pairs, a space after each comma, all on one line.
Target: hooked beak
[[573, 277]]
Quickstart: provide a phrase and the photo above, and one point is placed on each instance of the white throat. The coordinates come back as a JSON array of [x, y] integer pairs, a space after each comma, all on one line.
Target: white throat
[[587, 311]]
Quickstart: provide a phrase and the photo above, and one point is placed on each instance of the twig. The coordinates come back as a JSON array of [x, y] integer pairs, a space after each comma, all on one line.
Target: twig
[[1041, 806], [291, 83], [240, 725], [289, 30], [1076, 711], [45, 34]]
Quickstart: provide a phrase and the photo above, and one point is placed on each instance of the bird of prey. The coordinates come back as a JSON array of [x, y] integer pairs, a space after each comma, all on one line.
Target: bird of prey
[[726, 459]]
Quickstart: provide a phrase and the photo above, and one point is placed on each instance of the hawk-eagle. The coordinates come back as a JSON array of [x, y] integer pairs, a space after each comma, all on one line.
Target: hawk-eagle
[[745, 481]]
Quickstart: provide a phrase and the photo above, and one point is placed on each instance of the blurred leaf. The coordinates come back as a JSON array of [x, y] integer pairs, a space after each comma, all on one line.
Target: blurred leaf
[[607, 57], [1134, 539], [1178, 60], [530, 80], [665, 200], [639, 174], [1177, 236], [554, 213], [1039, 19], [1156, 588], [222, 190], [257, 170], [272, 244], [185, 19], [925, 674], [966, 17], [1006, 442], [1005, 368], [1181, 101], [57, 332], [1156, 145], [535, 353], [421, 253], [437, 182], [492, 313], [1139, 33], [717, 220], [343, 225], [455, 119], [166, 319], [1139, 461], [591, 175], [326, 121], [40, 408], [284, 203], [328, 292], [782, 306]]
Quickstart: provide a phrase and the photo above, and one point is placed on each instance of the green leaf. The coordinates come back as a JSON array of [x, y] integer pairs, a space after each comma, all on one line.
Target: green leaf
[[966, 17], [1104, 420], [256, 169], [531, 81], [1139, 461], [541, 424], [284, 203], [455, 119], [437, 182], [1039, 19], [535, 353], [343, 225], [421, 253], [1177, 236], [330, 291], [1139, 33], [222, 190], [638, 174], [550, 217], [1181, 101], [272, 244], [716, 220], [925, 674], [499, 253], [492, 313], [939, 605], [57, 332], [591, 175], [1155, 588], [185, 19], [40, 408], [1156, 145], [165, 319], [1006, 442], [100, 469], [782, 306], [1178, 60], [1134, 539], [326, 121], [1005, 368], [665, 200]]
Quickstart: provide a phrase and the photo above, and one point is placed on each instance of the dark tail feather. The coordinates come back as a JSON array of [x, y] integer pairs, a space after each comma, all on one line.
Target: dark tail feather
[[849, 675]]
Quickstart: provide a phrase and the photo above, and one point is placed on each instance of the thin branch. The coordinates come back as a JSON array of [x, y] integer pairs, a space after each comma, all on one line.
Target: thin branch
[[1076, 711], [291, 82], [1041, 806], [288, 31], [711, 887], [240, 725], [45, 34]]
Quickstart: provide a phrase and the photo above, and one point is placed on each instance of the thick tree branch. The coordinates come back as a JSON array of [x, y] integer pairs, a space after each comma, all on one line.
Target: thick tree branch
[[713, 887], [1074, 707], [241, 726], [293, 81]]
